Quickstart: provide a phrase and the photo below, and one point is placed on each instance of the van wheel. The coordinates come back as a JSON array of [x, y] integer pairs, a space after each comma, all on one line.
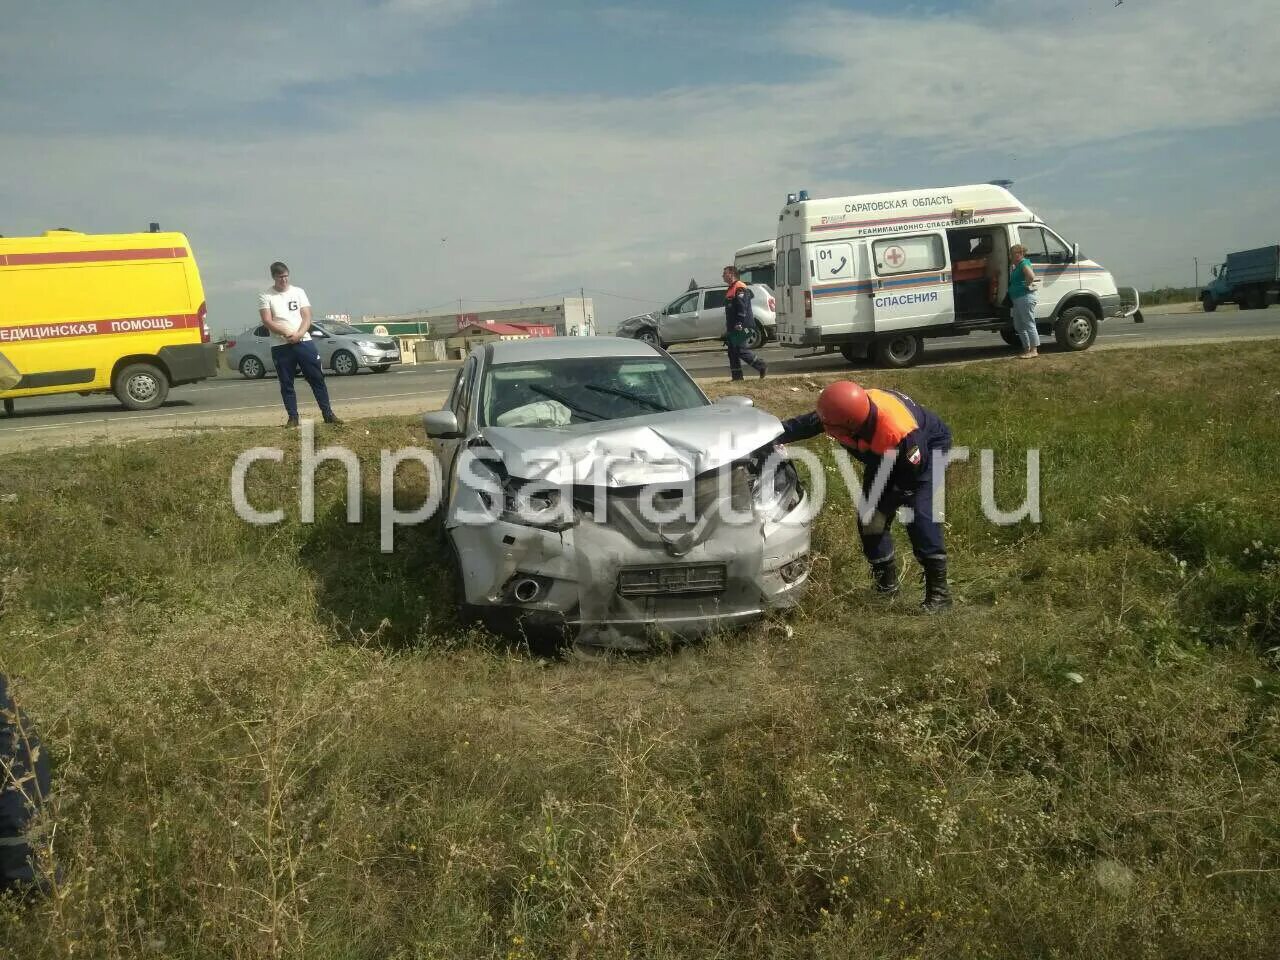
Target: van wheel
[[141, 386], [251, 368], [1010, 337], [1076, 329], [650, 336], [344, 364], [899, 351], [1208, 303], [756, 338]]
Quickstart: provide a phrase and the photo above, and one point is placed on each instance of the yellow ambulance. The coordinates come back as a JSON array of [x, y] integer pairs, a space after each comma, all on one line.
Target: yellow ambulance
[[92, 313]]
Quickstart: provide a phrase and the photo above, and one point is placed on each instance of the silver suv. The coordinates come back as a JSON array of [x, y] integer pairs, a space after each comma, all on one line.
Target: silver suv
[[342, 348], [699, 315]]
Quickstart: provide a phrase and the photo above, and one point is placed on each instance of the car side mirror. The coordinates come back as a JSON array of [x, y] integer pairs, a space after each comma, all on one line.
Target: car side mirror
[[441, 425], [735, 401], [1075, 253]]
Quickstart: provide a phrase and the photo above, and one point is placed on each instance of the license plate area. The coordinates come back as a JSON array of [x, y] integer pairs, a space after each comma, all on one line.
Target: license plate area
[[684, 578]]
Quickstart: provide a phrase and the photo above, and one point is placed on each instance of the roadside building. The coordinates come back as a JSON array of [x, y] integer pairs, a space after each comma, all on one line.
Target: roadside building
[[426, 335]]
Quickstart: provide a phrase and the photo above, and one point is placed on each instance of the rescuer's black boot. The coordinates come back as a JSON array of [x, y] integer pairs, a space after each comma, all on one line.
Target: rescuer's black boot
[[884, 577], [937, 595]]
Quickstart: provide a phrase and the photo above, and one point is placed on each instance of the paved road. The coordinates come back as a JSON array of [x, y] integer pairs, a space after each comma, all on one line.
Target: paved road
[[232, 400]]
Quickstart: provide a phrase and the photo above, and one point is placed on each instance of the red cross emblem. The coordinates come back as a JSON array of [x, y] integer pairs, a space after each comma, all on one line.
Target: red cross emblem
[[894, 256]]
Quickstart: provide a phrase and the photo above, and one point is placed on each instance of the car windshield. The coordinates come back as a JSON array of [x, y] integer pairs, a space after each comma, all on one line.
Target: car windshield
[[341, 330], [568, 390]]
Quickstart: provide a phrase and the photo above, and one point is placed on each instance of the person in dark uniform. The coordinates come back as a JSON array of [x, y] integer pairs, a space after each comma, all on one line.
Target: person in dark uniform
[[25, 782], [887, 430], [739, 321]]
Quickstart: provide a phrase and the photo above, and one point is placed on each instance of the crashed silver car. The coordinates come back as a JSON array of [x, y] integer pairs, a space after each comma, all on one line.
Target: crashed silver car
[[590, 485]]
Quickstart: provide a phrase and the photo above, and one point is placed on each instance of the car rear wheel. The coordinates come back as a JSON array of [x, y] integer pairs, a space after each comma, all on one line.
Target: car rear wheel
[[141, 386], [1209, 304], [344, 364], [251, 368], [1076, 329], [757, 338], [1010, 337], [902, 350]]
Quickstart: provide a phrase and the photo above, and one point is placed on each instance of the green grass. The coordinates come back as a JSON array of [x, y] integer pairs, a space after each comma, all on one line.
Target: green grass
[[1170, 295], [277, 742]]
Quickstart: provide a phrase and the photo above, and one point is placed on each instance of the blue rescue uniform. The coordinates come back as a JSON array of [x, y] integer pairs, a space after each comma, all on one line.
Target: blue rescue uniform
[[739, 321], [897, 426]]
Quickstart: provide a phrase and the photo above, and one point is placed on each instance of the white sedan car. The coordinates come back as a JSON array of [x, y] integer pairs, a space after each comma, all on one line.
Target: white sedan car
[[590, 485]]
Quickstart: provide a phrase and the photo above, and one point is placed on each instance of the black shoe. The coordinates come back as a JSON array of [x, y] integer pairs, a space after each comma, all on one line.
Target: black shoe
[[333, 420], [937, 595], [884, 577], [763, 367], [291, 422]]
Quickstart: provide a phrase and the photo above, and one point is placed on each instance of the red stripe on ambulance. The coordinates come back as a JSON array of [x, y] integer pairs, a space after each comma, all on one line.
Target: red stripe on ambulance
[[90, 256], [91, 328]]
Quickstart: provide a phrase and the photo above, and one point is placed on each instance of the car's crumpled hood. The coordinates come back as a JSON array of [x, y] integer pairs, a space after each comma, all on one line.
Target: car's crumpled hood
[[641, 320], [662, 448]]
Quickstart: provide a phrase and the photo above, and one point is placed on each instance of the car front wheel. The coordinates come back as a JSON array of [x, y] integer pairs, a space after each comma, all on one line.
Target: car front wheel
[[650, 336], [344, 364]]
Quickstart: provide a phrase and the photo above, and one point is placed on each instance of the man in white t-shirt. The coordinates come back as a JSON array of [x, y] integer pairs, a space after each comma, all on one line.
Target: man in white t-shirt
[[286, 312]]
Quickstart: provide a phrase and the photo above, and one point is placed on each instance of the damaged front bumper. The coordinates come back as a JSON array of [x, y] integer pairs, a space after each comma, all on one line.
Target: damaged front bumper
[[613, 583]]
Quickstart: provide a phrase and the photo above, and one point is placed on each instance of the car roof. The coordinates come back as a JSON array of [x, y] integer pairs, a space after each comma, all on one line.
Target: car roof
[[555, 348]]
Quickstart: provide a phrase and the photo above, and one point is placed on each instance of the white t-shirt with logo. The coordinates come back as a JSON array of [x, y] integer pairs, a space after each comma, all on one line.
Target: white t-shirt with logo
[[285, 305]]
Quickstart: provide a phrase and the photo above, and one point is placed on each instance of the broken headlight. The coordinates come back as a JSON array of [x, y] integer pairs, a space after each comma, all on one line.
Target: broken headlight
[[775, 482], [529, 502]]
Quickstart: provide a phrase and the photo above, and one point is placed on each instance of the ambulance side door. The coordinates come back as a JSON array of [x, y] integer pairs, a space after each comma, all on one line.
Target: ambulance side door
[[1050, 258], [911, 283]]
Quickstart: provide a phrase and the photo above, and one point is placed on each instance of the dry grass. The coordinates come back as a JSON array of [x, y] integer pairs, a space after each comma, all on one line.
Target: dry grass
[[277, 743]]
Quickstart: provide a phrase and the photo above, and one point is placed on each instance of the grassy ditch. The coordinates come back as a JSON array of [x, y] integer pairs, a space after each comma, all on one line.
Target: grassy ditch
[[276, 741]]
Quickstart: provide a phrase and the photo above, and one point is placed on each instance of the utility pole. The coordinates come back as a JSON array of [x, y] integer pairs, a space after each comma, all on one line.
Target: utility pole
[[1196, 260]]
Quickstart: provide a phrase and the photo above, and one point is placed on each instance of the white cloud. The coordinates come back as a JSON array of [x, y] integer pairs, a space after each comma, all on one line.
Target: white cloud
[[632, 194]]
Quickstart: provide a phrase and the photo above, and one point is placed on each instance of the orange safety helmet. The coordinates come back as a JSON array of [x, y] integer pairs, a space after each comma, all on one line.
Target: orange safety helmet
[[843, 407]]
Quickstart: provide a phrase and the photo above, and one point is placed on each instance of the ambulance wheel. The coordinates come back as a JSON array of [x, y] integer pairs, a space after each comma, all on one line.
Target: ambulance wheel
[[344, 364], [251, 368], [8, 407], [140, 386], [757, 338], [1076, 329], [899, 351], [1010, 337]]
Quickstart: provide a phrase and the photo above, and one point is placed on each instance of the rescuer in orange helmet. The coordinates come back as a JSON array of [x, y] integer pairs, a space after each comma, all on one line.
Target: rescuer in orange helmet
[[895, 439]]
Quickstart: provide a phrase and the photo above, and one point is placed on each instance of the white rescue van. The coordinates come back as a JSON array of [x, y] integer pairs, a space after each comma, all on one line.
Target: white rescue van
[[876, 274]]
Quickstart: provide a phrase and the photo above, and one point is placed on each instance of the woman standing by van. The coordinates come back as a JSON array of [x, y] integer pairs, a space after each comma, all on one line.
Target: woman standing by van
[[1022, 286]]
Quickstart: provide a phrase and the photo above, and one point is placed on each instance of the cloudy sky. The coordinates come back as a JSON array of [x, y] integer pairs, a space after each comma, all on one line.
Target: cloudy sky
[[402, 154]]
